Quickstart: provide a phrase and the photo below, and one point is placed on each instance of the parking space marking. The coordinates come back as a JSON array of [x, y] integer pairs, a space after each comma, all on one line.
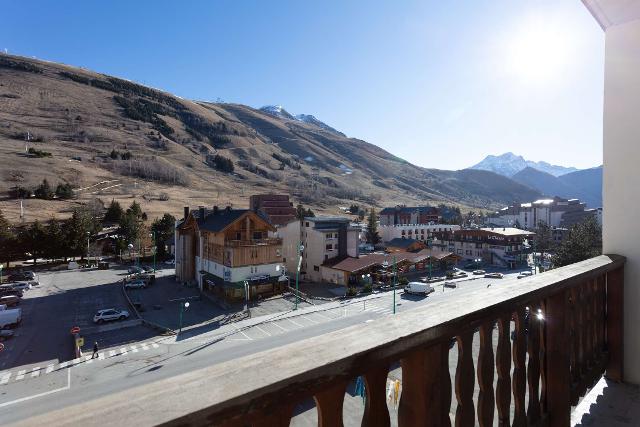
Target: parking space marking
[[133, 348], [275, 324], [246, 336], [20, 375], [307, 318], [294, 322], [320, 315], [35, 372], [5, 378], [123, 350], [49, 369], [262, 330]]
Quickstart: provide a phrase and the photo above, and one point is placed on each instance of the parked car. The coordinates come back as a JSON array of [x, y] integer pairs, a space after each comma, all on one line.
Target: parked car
[[494, 275], [525, 274], [418, 288], [450, 285], [135, 269], [20, 286], [170, 261], [109, 314], [8, 291], [148, 269], [136, 284], [5, 334], [22, 276], [478, 272], [9, 318]]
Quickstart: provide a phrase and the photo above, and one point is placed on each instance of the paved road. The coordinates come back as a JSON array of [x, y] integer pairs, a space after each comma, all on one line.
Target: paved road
[[54, 385]]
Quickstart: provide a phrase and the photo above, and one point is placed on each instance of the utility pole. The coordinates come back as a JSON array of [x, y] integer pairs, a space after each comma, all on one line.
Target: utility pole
[[88, 235]]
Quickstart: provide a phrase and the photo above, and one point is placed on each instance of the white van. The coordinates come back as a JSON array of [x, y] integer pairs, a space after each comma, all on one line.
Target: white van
[[10, 317], [418, 288]]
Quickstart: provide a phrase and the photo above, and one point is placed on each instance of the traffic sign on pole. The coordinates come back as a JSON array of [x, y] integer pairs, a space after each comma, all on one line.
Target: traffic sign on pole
[[75, 329]]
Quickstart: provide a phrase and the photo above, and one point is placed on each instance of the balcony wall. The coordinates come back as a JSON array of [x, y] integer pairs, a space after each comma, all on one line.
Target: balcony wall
[[538, 374]]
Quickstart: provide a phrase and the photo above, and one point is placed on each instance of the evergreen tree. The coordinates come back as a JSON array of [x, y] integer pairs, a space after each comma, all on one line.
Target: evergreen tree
[[372, 228], [163, 229], [54, 240], [114, 213], [64, 191], [583, 241], [543, 240], [44, 191], [8, 242], [135, 209], [77, 227], [130, 227], [31, 239], [301, 212]]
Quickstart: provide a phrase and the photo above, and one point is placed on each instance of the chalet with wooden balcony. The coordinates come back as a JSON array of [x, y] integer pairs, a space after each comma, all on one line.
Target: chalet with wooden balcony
[[221, 249]]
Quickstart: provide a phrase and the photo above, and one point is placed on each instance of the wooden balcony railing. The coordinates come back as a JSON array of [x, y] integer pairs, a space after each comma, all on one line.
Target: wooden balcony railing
[[552, 359], [255, 242]]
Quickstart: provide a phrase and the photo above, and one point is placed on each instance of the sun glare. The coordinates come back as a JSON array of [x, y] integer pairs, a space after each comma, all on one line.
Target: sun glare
[[538, 53]]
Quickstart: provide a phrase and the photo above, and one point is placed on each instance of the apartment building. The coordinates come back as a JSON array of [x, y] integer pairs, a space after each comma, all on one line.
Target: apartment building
[[421, 232], [409, 215], [220, 249], [323, 239], [504, 247], [528, 215]]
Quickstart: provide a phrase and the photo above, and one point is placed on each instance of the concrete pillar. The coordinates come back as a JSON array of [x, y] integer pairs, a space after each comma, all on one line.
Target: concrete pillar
[[621, 192]]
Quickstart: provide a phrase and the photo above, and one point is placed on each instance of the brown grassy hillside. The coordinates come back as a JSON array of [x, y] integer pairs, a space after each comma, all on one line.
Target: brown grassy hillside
[[84, 119]]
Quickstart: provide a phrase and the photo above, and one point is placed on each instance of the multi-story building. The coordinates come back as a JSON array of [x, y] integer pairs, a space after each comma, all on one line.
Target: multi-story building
[[503, 247], [220, 249], [276, 207], [572, 218], [409, 215], [413, 231], [323, 238], [528, 215]]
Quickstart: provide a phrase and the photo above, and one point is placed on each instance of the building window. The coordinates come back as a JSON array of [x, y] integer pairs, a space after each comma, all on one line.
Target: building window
[[459, 251], [316, 268], [329, 247], [257, 235], [306, 224], [238, 236]]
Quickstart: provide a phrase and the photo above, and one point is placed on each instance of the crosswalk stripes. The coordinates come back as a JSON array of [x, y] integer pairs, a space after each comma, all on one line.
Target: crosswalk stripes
[[5, 378], [37, 371]]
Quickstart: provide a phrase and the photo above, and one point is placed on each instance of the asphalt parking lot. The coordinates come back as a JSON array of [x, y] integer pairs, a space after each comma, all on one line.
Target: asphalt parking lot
[[65, 299]]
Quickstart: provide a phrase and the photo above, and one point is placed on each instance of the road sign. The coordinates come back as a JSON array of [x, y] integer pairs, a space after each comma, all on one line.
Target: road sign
[[79, 342], [75, 329]]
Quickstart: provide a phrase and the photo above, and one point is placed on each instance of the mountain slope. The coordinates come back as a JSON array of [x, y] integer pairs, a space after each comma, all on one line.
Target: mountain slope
[[508, 164], [585, 185], [113, 138]]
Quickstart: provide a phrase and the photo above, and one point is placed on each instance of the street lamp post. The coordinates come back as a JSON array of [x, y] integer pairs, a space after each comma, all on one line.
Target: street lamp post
[[88, 235], [1, 273], [300, 249], [155, 249], [183, 307]]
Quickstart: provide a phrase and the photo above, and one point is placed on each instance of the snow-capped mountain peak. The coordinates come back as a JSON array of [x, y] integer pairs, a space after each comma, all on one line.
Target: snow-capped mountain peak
[[280, 112], [509, 164]]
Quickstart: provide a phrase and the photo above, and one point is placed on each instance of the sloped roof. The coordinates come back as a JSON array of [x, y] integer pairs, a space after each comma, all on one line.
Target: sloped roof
[[399, 242], [409, 209], [218, 221]]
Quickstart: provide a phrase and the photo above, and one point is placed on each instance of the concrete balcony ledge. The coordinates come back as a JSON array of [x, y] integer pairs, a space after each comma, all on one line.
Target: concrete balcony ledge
[[609, 404]]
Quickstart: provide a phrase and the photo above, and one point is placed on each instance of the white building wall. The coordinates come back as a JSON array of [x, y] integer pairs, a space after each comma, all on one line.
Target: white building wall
[[621, 229], [390, 232]]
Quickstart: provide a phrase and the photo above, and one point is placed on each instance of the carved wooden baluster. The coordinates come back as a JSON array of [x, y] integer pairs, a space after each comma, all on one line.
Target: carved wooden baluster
[[572, 324], [329, 405], [615, 323], [558, 390], [581, 334], [600, 318], [519, 383], [375, 409], [542, 336], [465, 381], [588, 329], [426, 388], [533, 369], [486, 401], [503, 370]]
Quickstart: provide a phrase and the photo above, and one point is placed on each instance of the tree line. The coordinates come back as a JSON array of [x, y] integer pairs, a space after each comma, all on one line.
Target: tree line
[[63, 239], [44, 190]]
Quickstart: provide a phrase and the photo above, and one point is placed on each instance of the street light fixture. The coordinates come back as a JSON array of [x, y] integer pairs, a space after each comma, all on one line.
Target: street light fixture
[[88, 235], [155, 249], [300, 249], [183, 307]]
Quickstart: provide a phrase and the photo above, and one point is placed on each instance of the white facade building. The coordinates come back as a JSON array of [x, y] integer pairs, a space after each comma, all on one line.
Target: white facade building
[[528, 215], [413, 231], [323, 238]]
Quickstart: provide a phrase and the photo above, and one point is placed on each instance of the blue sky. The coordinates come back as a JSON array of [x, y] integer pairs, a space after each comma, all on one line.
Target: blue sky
[[441, 84]]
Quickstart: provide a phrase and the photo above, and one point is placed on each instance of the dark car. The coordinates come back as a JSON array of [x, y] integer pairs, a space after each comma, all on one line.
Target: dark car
[[22, 276]]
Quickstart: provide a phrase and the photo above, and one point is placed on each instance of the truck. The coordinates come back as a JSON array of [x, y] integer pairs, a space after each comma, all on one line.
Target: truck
[[418, 288], [9, 318]]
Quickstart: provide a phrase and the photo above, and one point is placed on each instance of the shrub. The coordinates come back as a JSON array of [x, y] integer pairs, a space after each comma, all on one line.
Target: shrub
[[367, 288], [64, 191], [221, 163], [403, 281], [39, 153], [20, 193], [44, 191], [351, 291]]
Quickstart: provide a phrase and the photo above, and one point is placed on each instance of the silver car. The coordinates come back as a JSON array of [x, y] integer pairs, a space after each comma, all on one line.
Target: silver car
[[136, 284], [110, 314]]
